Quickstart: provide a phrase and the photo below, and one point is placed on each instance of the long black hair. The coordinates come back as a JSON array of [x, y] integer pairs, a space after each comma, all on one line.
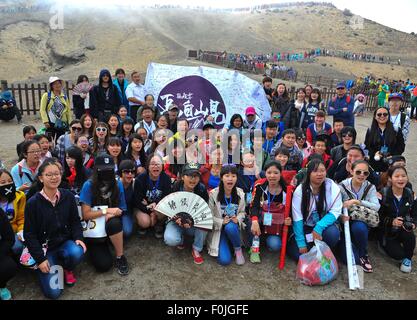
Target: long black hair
[[312, 166], [115, 141], [122, 131], [75, 153], [389, 132], [228, 168], [175, 167], [233, 118], [81, 78], [97, 196], [142, 155]]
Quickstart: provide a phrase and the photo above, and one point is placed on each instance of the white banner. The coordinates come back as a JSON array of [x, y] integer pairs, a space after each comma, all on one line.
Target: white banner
[[203, 91]]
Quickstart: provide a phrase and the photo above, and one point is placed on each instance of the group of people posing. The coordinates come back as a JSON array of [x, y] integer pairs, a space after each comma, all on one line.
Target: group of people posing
[[120, 157]]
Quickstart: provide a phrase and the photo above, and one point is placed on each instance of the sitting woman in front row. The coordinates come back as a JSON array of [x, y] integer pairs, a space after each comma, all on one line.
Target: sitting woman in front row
[[398, 219], [227, 203], [100, 196], [358, 191], [267, 209], [52, 231], [316, 205]]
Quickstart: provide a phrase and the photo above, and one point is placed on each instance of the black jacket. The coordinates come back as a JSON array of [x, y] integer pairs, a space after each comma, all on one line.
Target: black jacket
[[396, 148], [291, 116], [388, 212], [7, 238], [340, 173], [54, 225], [258, 198], [78, 104], [199, 190], [142, 190]]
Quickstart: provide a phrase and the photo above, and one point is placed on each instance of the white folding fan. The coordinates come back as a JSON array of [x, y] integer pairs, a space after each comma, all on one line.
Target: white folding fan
[[187, 205], [83, 87]]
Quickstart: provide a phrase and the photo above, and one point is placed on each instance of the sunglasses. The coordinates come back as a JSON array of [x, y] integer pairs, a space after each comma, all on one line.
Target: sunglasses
[[359, 172], [101, 129], [347, 135], [380, 115], [277, 117], [340, 89], [301, 138], [127, 171], [76, 129], [229, 165]]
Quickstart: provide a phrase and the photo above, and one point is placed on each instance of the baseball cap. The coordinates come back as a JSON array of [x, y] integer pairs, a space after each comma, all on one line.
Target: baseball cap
[[341, 85], [103, 161], [395, 95], [394, 159], [53, 79], [172, 107], [250, 111], [191, 168]]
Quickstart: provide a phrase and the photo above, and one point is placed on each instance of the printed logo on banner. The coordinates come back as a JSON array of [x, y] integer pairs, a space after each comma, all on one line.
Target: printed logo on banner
[[196, 98]]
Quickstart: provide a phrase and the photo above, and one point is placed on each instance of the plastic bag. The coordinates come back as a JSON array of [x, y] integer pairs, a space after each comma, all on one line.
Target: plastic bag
[[318, 266]]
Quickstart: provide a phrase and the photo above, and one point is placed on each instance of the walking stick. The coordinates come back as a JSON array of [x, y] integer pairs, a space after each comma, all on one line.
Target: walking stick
[[288, 205], [351, 265]]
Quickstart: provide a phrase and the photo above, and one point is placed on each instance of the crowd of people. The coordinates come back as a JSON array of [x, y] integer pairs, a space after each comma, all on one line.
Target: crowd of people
[[119, 157]]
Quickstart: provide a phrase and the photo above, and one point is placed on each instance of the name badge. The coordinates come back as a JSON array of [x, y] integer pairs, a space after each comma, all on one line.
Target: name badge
[[384, 149], [268, 219], [309, 237], [248, 198]]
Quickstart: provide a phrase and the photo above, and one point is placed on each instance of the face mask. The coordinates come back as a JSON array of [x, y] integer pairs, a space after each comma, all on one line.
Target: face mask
[[106, 176], [8, 191]]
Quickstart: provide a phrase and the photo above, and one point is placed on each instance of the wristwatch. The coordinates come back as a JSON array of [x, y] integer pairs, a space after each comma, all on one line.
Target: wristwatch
[[104, 211]]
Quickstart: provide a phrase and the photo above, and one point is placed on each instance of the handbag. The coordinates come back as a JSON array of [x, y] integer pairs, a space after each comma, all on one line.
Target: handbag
[[362, 213]]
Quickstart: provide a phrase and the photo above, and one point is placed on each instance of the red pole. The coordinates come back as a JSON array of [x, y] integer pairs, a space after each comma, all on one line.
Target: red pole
[[288, 204]]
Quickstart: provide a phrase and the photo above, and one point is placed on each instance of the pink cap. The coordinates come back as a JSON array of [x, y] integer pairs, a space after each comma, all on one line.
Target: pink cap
[[250, 111]]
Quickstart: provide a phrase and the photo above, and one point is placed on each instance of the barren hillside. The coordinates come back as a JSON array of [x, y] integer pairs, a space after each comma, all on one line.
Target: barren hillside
[[133, 38]]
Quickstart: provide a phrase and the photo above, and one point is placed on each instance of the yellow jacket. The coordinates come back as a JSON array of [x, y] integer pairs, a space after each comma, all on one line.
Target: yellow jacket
[[44, 108], [19, 204]]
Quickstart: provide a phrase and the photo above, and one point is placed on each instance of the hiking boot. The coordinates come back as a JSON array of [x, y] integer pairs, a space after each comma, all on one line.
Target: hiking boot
[[406, 265], [240, 259], [122, 266], [159, 231], [69, 277], [198, 259], [5, 294], [255, 257], [366, 264]]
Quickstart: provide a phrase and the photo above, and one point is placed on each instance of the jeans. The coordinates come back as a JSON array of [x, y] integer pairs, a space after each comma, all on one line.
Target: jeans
[[8, 269], [18, 246], [229, 234], [127, 222], [174, 236], [68, 256], [331, 236], [413, 111], [359, 236]]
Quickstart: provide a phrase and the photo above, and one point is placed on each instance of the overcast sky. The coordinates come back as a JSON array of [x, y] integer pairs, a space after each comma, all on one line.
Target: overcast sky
[[397, 14]]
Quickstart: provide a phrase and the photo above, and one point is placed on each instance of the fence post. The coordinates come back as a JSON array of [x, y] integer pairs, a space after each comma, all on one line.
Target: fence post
[[4, 85], [33, 98], [27, 98], [19, 91]]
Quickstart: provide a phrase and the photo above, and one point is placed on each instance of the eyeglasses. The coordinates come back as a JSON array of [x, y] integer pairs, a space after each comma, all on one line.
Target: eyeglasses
[[380, 115], [127, 171], [76, 128], [101, 129], [359, 172], [35, 151], [52, 175], [155, 164], [347, 135], [340, 88]]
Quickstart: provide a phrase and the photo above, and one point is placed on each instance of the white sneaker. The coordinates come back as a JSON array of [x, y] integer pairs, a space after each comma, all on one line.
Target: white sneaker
[[406, 265]]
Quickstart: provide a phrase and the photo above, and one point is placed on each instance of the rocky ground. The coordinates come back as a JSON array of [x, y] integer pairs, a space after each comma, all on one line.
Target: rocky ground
[[160, 272]]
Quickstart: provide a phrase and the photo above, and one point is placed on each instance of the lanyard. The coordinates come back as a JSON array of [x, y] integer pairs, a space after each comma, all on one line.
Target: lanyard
[[228, 202], [353, 190], [395, 120], [268, 194], [397, 205], [382, 135]]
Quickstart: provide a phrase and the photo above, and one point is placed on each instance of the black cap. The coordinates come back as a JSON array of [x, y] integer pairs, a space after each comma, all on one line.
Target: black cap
[[126, 165], [208, 124], [394, 159], [191, 168], [103, 161]]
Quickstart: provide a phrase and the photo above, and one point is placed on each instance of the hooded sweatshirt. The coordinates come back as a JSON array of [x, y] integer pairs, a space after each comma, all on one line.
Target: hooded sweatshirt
[[104, 99]]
